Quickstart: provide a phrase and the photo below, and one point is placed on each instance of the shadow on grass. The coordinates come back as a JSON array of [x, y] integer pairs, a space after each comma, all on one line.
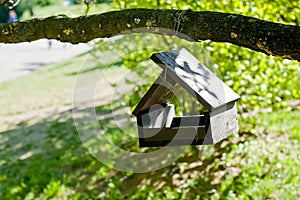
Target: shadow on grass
[[33, 156]]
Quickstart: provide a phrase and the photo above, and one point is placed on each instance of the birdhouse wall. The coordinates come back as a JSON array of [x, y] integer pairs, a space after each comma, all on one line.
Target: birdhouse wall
[[222, 123], [161, 92], [158, 116]]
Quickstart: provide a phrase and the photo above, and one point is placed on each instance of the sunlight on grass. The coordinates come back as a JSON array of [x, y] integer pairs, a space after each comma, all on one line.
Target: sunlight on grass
[[48, 161], [42, 156]]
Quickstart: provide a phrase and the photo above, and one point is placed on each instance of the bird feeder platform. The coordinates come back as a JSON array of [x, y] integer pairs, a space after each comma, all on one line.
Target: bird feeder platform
[[156, 120]]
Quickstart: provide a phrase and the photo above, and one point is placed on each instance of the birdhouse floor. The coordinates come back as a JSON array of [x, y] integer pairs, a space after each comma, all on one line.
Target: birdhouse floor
[[186, 130]]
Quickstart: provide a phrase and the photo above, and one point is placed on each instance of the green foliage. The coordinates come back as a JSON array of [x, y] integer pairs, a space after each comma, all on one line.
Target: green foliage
[[43, 158], [22, 7], [3, 14], [260, 80], [133, 52], [284, 11], [47, 160], [43, 3]]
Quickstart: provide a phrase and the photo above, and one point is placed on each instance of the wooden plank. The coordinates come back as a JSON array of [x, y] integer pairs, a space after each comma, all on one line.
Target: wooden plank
[[198, 80], [148, 120], [186, 130], [161, 92], [178, 136], [222, 123], [143, 143], [184, 121], [157, 116]]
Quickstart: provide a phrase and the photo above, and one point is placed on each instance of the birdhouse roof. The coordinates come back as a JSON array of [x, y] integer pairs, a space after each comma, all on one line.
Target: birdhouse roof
[[181, 67]]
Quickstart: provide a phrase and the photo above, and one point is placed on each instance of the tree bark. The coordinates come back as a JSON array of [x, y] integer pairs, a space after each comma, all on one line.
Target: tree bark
[[259, 35]]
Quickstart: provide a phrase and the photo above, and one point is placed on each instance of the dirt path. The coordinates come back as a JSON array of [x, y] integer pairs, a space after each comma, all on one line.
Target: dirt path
[[20, 59]]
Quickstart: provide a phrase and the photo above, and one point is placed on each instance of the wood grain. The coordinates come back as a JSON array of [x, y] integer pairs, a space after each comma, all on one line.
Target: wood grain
[[197, 79]]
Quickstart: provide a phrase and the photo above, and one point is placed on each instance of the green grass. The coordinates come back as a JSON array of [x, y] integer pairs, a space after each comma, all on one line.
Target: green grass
[[38, 140], [43, 158], [41, 90]]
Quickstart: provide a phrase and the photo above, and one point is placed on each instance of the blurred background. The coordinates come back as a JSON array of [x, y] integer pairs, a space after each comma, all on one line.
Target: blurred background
[[42, 157]]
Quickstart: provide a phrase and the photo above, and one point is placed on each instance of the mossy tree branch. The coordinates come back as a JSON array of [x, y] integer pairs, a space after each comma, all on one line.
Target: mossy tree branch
[[259, 35]]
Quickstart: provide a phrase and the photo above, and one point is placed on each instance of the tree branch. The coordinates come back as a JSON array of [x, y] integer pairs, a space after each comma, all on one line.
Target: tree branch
[[259, 35]]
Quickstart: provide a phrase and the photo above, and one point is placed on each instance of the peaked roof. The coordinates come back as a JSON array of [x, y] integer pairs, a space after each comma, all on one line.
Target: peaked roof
[[183, 68]]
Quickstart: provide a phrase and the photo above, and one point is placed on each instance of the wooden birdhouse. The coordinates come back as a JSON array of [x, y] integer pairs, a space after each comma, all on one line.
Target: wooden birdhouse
[[156, 120]]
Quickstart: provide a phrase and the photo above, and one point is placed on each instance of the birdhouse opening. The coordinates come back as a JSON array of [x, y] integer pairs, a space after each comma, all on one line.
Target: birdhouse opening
[[159, 126], [185, 104]]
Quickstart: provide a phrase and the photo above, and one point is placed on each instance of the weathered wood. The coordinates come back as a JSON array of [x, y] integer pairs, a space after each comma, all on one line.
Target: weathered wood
[[186, 130], [157, 124], [161, 92], [172, 136], [210, 128], [183, 121], [198, 80], [222, 123], [157, 116], [143, 143]]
